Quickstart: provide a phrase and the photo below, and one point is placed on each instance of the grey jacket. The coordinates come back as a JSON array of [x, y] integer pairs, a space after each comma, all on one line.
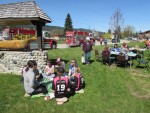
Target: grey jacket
[[30, 82]]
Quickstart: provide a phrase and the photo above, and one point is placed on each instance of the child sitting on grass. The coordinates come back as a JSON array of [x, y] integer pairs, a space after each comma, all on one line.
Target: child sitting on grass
[[77, 81], [49, 71], [61, 86]]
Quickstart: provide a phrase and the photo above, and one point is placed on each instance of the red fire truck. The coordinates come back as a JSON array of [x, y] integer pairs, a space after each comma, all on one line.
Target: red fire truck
[[25, 38], [77, 38]]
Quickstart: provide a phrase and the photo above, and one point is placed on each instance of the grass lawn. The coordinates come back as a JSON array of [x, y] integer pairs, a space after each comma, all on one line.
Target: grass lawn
[[108, 90]]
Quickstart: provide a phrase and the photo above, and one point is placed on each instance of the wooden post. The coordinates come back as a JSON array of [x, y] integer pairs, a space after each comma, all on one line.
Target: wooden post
[[39, 36], [39, 25]]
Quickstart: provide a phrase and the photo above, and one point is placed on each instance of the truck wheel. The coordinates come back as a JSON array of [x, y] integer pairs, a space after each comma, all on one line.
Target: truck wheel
[[81, 44], [54, 46]]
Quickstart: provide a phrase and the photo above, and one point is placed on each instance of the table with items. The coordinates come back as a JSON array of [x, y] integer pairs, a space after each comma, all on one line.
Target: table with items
[[130, 55], [138, 51]]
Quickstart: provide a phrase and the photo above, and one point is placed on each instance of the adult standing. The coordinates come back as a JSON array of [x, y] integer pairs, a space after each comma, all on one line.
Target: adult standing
[[87, 48], [147, 43], [105, 41], [101, 40]]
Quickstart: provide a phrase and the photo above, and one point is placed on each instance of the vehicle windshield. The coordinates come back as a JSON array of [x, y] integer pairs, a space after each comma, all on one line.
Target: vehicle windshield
[[5, 34], [47, 34]]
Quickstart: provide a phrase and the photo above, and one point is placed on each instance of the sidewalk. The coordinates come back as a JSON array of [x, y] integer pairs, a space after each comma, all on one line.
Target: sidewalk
[[109, 42]]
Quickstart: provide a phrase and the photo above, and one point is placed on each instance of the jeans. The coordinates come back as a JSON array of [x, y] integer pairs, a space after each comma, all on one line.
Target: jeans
[[48, 76], [87, 57]]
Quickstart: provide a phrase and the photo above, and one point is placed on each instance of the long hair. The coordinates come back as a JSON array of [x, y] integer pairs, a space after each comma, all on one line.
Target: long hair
[[115, 45], [106, 48], [34, 63], [75, 63], [60, 71], [59, 75], [76, 70], [29, 65], [49, 62]]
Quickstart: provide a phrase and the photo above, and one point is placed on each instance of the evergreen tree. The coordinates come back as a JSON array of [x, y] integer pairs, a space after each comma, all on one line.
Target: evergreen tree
[[68, 24]]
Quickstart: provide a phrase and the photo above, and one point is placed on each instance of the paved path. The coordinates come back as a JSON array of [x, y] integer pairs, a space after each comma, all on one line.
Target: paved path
[[62, 46], [109, 42]]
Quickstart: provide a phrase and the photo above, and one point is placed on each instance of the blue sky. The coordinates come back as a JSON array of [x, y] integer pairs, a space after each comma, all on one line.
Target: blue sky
[[95, 14]]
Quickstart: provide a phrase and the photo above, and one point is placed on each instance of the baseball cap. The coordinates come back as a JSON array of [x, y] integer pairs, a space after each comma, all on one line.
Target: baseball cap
[[58, 60], [88, 38], [60, 69]]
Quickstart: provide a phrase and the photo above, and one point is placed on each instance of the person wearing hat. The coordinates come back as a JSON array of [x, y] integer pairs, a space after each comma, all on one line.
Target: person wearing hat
[[87, 48], [60, 63]]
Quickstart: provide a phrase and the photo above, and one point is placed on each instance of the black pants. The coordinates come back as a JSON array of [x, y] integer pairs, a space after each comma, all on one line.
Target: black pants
[[40, 89]]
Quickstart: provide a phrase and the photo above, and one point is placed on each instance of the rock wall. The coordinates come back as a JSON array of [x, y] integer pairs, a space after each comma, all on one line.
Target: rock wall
[[13, 61]]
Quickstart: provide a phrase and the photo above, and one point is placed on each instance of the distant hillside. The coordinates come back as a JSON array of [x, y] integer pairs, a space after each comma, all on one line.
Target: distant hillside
[[59, 30], [52, 29]]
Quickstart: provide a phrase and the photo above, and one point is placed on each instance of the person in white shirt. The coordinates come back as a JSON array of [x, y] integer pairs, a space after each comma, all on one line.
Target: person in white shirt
[[49, 71]]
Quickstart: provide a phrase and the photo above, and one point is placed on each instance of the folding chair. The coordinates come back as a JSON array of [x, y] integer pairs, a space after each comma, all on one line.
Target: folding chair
[[144, 62], [106, 59], [121, 59], [97, 55]]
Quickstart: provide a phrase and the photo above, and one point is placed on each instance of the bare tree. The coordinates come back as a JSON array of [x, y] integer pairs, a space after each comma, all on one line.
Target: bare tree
[[128, 31], [116, 22]]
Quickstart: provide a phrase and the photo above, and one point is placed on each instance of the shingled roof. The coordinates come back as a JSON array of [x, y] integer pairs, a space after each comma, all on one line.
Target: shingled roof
[[22, 11]]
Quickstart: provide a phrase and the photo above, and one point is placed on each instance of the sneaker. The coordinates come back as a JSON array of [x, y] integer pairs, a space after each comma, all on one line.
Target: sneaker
[[80, 91], [59, 103], [47, 98], [64, 99], [58, 99], [26, 95]]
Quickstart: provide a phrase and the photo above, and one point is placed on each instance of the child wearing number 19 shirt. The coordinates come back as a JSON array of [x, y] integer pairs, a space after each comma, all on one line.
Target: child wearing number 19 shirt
[[60, 86]]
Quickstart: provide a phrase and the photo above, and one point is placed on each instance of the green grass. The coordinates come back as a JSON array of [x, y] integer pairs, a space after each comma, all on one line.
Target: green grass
[[108, 90]]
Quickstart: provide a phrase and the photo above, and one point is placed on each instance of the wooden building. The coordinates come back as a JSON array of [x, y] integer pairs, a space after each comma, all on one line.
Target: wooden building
[[24, 13]]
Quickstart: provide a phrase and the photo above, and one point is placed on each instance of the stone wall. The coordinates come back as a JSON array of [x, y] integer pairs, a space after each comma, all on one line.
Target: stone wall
[[13, 61]]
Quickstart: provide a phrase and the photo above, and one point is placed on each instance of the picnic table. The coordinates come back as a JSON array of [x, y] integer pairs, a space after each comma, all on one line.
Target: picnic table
[[129, 54], [138, 51]]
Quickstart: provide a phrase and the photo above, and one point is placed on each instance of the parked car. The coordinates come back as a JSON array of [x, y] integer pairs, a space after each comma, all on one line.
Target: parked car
[[129, 38], [115, 40], [134, 39], [0, 36]]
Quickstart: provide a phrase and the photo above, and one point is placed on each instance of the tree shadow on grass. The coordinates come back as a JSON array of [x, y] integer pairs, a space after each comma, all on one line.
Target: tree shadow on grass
[[141, 67], [91, 61], [72, 91]]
